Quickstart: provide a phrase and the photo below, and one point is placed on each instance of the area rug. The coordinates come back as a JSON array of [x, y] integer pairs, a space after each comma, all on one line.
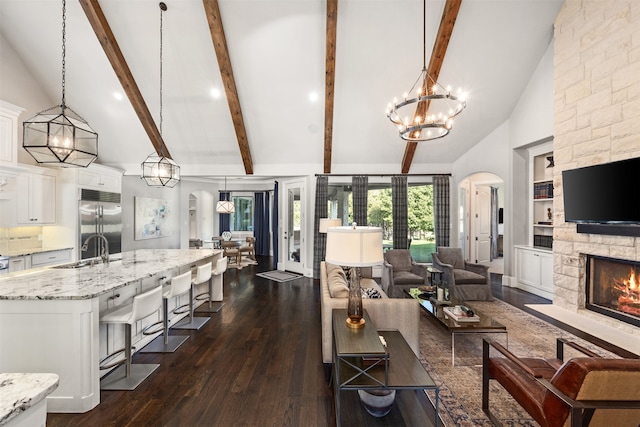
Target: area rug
[[461, 385], [279, 276], [244, 262]]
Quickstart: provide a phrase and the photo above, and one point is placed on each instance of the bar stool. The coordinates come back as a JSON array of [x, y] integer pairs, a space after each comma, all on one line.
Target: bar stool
[[193, 322], [215, 289], [169, 343], [144, 305]]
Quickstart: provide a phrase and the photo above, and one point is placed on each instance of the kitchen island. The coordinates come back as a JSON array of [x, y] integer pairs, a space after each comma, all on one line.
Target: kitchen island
[[49, 317]]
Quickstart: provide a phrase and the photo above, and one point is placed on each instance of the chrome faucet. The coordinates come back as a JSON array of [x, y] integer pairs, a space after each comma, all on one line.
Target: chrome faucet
[[105, 249]]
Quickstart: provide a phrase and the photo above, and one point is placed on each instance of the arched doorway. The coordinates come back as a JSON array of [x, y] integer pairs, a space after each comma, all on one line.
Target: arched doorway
[[481, 227]]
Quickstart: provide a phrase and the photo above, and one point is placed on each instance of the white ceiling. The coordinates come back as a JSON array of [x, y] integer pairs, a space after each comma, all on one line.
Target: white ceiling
[[277, 51]]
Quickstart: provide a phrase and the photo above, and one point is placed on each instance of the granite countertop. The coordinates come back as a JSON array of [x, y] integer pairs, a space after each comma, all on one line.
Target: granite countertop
[[23, 252], [19, 392], [50, 283]]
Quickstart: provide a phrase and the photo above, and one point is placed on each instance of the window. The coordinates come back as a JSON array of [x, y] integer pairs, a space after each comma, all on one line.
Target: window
[[379, 214], [242, 218]]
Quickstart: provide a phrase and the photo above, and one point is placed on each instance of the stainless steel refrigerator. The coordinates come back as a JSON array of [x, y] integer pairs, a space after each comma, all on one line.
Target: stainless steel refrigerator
[[100, 212]]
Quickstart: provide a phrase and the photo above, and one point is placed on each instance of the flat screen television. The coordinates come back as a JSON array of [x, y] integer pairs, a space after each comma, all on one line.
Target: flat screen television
[[603, 194]]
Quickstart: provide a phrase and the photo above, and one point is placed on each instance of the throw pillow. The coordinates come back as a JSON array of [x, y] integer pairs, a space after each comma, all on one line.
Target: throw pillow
[[371, 293], [337, 281]]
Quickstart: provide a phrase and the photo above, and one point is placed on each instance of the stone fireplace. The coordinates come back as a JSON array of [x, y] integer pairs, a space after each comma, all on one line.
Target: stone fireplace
[[596, 120], [613, 288]]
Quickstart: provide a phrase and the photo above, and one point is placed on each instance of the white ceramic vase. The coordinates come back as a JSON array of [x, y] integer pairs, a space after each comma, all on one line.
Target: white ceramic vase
[[377, 402]]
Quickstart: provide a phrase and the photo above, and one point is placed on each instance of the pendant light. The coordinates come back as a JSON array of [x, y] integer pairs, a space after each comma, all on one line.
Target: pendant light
[[426, 113], [225, 206], [59, 135], [159, 170]]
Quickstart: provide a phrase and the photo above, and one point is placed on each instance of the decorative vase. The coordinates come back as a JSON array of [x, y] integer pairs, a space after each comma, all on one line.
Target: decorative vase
[[354, 306], [377, 402]]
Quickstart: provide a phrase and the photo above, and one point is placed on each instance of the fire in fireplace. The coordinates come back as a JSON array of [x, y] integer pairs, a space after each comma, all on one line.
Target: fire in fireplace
[[613, 288]]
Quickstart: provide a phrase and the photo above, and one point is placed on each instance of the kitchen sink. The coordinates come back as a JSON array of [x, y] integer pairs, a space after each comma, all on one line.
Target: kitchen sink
[[90, 262]]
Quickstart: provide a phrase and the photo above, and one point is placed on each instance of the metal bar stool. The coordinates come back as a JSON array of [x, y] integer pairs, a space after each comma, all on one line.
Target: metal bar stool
[[169, 343], [215, 279], [144, 305], [192, 322]]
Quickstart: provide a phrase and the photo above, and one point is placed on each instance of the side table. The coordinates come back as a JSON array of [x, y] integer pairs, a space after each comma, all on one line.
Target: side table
[[395, 367]]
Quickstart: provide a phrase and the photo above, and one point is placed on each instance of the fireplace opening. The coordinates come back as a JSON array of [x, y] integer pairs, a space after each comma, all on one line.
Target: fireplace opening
[[613, 288]]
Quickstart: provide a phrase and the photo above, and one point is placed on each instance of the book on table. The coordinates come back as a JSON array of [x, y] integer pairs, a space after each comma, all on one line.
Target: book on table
[[462, 317]]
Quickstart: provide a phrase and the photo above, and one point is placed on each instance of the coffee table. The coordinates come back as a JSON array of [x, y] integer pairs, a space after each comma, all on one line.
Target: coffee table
[[350, 346], [486, 325]]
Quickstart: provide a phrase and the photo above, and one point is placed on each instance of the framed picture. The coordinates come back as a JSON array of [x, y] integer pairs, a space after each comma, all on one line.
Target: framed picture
[[152, 218]]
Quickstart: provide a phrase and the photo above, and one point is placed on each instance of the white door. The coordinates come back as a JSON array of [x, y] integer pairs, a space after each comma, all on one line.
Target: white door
[[293, 227], [482, 229]]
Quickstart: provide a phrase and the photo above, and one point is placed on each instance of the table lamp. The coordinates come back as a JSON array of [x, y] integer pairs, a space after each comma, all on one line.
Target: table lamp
[[355, 247], [326, 223]]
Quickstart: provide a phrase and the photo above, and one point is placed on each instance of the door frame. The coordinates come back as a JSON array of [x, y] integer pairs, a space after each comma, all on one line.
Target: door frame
[[283, 235]]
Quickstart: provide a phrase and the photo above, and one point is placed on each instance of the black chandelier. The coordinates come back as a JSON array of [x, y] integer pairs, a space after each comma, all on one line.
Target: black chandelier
[[59, 135]]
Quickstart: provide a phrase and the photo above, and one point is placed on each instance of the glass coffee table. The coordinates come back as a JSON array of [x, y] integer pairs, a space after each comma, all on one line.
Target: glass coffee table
[[485, 325]]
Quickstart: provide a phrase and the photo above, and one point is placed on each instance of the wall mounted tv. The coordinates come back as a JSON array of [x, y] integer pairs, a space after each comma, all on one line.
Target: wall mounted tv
[[603, 194]]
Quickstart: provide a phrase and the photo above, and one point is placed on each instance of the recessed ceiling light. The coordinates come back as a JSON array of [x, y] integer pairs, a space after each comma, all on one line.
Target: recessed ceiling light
[[118, 96], [313, 96], [215, 92]]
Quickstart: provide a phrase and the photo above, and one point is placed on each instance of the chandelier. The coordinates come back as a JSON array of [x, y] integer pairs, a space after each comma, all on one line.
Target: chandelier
[[225, 206], [159, 170], [59, 135], [427, 110]]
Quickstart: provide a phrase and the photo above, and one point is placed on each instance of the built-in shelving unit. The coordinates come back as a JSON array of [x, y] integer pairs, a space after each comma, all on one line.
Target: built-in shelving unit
[[542, 199]]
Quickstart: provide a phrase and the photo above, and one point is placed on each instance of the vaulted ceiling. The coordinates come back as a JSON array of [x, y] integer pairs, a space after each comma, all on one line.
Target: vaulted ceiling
[[253, 87]]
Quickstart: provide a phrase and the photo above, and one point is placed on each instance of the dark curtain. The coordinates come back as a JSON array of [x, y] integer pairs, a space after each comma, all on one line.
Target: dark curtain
[[274, 225], [360, 192], [320, 241], [261, 222], [400, 212], [441, 217], [494, 223], [224, 218]]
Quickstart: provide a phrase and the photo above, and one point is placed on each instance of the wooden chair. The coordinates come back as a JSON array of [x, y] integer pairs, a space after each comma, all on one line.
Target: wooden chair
[[231, 250], [249, 247], [583, 391]]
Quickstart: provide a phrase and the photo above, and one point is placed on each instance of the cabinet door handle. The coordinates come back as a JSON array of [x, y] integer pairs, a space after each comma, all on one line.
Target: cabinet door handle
[[114, 296]]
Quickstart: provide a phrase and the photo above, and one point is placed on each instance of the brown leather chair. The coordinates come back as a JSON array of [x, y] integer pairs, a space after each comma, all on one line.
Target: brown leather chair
[[583, 391], [467, 281]]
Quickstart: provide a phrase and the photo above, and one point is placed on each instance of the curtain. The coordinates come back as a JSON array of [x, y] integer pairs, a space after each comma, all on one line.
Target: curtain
[[494, 223], [274, 226], [261, 222], [400, 212], [320, 241], [360, 192], [225, 220], [441, 202]]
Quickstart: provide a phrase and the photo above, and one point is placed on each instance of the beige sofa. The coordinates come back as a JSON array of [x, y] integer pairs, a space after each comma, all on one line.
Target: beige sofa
[[402, 314]]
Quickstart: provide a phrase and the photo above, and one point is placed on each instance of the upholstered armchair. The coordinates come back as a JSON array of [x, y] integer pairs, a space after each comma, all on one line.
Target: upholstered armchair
[[583, 391], [467, 281], [400, 272]]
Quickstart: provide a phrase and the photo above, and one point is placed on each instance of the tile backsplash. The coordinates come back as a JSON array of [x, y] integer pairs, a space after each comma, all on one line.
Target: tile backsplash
[[19, 239]]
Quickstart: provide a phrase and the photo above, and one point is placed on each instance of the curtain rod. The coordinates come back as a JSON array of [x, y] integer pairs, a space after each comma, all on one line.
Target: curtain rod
[[383, 174], [244, 191]]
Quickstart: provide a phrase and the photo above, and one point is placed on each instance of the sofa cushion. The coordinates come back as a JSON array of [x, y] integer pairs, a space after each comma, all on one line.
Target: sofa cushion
[[407, 278], [337, 281], [466, 277]]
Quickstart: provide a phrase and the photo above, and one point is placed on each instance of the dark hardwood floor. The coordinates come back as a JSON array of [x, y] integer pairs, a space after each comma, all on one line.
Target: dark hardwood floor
[[257, 362]]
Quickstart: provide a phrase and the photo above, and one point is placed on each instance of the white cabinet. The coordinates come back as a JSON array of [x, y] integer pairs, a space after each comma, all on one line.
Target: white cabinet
[[19, 263], [42, 259], [37, 199], [100, 178], [534, 271], [9, 114]]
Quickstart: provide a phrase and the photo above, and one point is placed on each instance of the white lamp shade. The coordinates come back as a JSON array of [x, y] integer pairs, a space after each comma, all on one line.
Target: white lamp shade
[[325, 223], [354, 246], [225, 207]]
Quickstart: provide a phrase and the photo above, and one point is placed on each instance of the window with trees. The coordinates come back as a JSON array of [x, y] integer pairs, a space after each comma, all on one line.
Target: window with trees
[[242, 218]]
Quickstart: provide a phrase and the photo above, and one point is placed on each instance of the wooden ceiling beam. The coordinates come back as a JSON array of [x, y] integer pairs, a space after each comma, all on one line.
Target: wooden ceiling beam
[[330, 74], [449, 16], [110, 46], [219, 40]]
